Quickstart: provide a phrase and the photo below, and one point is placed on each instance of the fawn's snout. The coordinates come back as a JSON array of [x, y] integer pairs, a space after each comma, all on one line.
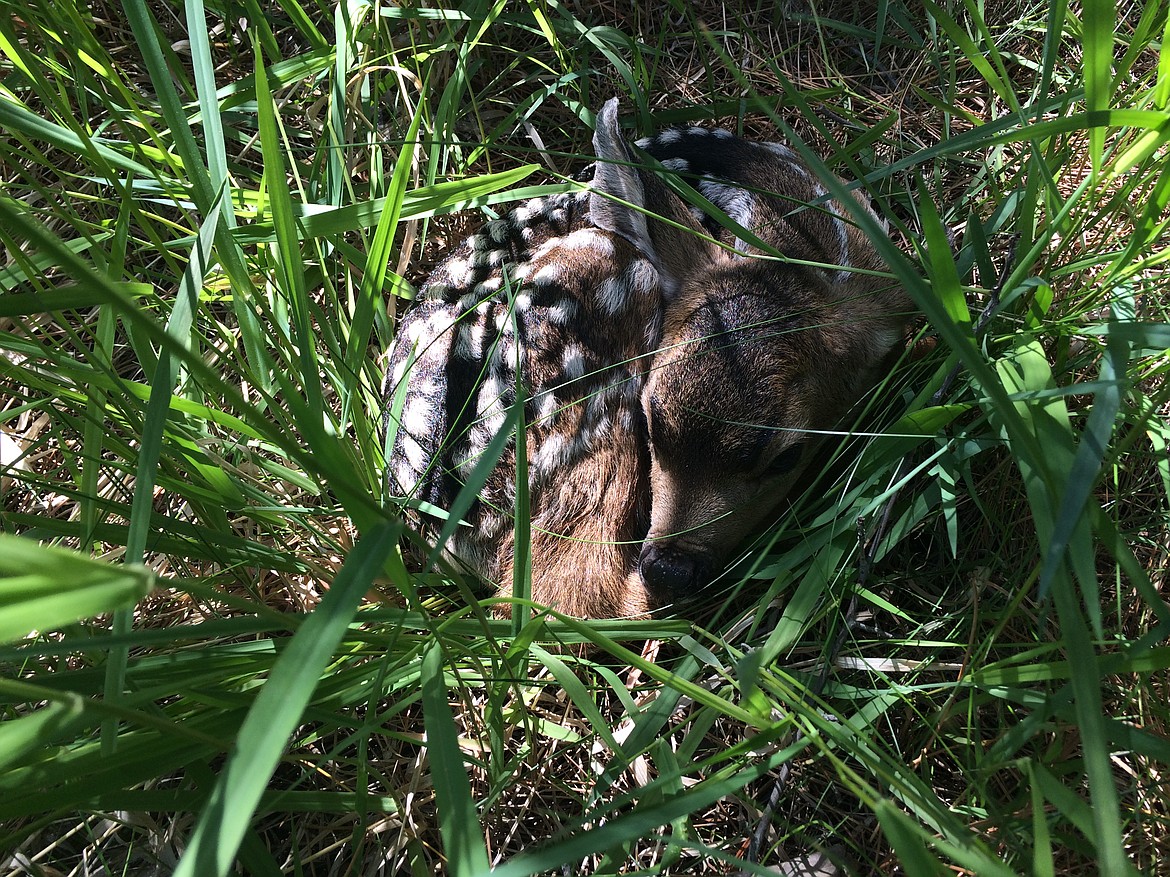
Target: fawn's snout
[[673, 574]]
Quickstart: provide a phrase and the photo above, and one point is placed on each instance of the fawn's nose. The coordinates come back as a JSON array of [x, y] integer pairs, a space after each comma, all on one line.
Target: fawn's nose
[[670, 574]]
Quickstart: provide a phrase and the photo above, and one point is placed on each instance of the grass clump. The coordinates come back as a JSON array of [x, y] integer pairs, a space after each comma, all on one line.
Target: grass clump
[[948, 653]]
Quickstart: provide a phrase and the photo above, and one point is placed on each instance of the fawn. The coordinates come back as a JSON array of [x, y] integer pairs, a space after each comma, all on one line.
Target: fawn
[[675, 376]]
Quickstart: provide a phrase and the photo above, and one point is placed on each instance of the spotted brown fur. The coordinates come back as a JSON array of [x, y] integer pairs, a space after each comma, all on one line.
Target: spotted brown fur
[[667, 379]]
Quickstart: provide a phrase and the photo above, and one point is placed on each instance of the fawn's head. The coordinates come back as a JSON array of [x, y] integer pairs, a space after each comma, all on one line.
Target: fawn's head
[[763, 348]]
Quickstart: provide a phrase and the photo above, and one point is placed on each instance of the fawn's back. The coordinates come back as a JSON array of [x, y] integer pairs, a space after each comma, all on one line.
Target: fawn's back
[[546, 301]]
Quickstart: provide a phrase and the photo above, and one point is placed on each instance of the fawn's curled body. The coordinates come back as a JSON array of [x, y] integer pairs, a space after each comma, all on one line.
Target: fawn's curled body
[[673, 388]]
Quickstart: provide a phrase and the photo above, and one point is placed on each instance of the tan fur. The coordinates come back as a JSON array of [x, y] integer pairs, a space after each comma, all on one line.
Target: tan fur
[[586, 537]]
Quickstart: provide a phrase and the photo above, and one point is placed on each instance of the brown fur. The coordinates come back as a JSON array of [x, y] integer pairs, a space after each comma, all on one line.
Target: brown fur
[[678, 387], [758, 355]]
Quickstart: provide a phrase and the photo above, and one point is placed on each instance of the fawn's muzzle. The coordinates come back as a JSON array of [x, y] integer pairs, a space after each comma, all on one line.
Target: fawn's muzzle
[[673, 575]]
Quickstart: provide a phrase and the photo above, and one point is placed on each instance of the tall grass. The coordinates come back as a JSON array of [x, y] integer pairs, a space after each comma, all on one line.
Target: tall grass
[[948, 654]]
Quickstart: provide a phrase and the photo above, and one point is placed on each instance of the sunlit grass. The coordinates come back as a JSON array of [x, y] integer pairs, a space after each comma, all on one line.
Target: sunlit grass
[[209, 223]]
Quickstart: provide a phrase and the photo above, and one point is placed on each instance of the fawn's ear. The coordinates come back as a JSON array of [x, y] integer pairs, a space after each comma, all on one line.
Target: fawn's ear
[[617, 177], [633, 203]]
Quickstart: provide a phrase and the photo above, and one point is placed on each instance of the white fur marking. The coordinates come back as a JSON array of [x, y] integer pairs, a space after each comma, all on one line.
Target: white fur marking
[[553, 454], [641, 277], [782, 150], [406, 477], [549, 273], [416, 416], [589, 239], [612, 295], [399, 372], [546, 405], [563, 312], [573, 362], [416, 455], [737, 203]]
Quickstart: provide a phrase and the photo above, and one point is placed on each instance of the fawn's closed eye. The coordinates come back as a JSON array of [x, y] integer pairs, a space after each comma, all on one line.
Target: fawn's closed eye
[[786, 460]]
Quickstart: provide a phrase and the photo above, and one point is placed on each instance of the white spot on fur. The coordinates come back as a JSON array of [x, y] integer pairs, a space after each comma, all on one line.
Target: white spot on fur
[[438, 323], [546, 404], [493, 423], [416, 455], [491, 393], [667, 137], [784, 151], [563, 312], [417, 416], [509, 353], [679, 165], [528, 210], [589, 239], [722, 134], [612, 295], [737, 203], [406, 477], [553, 455], [842, 239], [573, 362], [640, 277], [549, 273], [462, 272], [886, 339]]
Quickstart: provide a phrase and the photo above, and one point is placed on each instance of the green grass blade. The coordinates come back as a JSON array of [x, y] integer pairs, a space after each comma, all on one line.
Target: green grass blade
[[1100, 21], [279, 709], [378, 258], [458, 820], [154, 424], [44, 588]]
